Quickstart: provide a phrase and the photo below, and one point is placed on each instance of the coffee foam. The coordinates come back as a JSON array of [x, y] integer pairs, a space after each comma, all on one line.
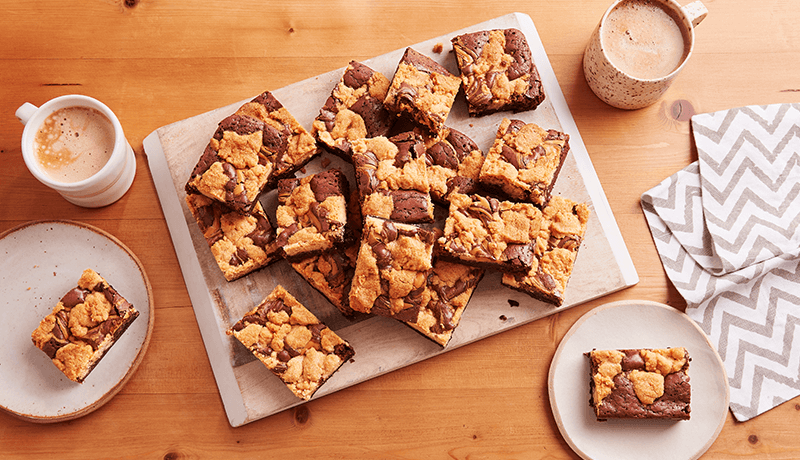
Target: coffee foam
[[74, 143], [643, 40]]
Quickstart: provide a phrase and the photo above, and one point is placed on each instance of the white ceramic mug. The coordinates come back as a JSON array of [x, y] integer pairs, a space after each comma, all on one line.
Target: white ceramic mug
[[620, 87], [104, 187]]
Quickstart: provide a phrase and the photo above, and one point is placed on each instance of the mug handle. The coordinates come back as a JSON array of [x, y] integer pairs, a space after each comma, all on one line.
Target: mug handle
[[695, 12], [25, 112]]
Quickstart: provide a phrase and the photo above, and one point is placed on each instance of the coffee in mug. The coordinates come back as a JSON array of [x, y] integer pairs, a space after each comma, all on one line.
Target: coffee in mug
[[643, 40], [74, 143], [638, 49]]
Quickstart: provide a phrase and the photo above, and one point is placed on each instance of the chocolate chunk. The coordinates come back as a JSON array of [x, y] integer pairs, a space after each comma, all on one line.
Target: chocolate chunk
[[377, 120], [382, 256], [442, 154], [517, 47], [268, 100], [422, 62], [274, 140], [329, 183], [239, 124], [519, 254], [409, 206], [632, 360], [73, 297], [357, 76]]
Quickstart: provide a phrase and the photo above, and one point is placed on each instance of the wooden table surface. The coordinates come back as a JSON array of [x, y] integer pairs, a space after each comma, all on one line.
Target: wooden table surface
[[158, 61]]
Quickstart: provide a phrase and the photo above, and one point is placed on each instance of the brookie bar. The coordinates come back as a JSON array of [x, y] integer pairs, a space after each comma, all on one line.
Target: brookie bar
[[83, 326], [292, 343], [640, 383], [497, 72]]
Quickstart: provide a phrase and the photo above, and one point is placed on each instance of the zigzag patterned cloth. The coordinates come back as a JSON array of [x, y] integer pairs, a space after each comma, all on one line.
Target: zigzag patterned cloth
[[726, 230]]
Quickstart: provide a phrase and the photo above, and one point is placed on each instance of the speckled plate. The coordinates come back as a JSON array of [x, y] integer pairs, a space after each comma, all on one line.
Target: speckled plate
[[637, 324], [39, 262]]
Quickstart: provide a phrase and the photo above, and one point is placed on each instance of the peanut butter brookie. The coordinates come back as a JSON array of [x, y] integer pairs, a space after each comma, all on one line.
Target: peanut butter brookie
[[254, 147], [312, 213], [292, 343], [524, 161], [449, 288], [240, 243], [84, 325], [486, 232], [552, 267], [640, 383], [497, 71], [354, 110], [454, 163], [392, 178], [331, 273], [422, 90], [392, 269]]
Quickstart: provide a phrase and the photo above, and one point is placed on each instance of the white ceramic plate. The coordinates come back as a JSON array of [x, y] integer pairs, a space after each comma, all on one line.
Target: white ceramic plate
[[39, 263], [637, 324]]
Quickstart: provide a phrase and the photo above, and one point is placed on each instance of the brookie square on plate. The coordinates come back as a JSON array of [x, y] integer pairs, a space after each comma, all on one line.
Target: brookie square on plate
[[84, 325], [449, 288], [392, 178], [640, 383], [554, 261], [497, 71], [392, 269], [312, 213], [292, 343], [524, 161], [454, 163], [422, 91], [354, 110], [486, 232], [240, 243]]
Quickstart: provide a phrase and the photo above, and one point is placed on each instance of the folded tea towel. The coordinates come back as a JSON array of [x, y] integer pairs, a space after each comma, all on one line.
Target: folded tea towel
[[727, 230]]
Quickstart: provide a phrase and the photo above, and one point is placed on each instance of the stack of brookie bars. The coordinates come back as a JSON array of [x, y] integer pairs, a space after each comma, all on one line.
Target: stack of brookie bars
[[374, 247]]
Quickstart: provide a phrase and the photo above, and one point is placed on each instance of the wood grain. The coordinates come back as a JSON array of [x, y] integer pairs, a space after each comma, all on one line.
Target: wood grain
[[158, 61]]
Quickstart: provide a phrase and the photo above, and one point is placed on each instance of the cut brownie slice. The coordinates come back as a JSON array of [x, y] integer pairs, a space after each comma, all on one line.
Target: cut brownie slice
[[454, 163], [234, 167], [331, 273], [547, 280], [289, 146], [497, 71], [449, 288], [422, 90], [292, 343], [240, 243], [392, 269], [253, 148], [640, 383], [524, 161], [354, 110], [392, 178], [84, 325], [489, 233], [312, 213]]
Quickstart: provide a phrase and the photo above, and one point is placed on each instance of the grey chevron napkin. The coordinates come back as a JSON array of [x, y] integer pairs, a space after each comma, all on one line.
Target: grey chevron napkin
[[727, 231]]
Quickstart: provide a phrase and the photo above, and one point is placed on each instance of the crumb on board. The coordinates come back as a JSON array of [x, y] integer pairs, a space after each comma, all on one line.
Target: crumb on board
[[437, 48]]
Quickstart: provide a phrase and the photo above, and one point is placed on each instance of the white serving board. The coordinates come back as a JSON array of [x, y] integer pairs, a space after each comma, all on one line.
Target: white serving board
[[249, 391]]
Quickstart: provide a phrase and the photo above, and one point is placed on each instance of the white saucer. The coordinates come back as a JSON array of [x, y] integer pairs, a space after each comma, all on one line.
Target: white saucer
[[39, 263], [637, 324]]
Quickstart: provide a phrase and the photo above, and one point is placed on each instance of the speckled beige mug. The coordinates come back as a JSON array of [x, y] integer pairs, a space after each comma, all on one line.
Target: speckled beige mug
[[638, 49]]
